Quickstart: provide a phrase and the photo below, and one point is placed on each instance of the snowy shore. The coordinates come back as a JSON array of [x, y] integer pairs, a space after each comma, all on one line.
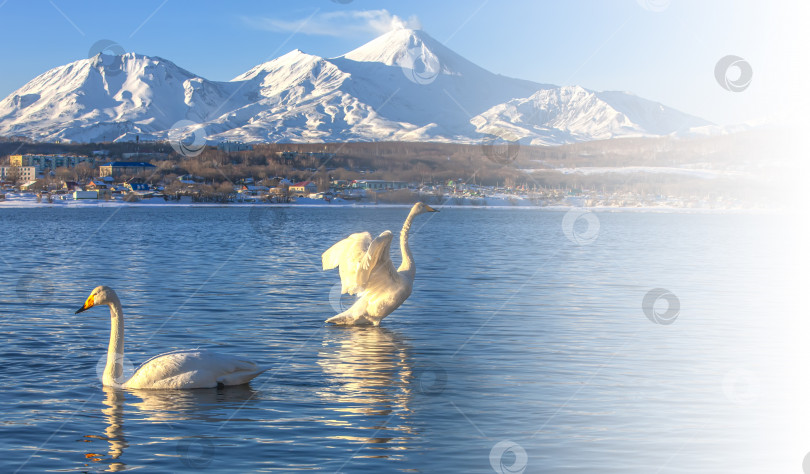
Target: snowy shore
[[29, 201]]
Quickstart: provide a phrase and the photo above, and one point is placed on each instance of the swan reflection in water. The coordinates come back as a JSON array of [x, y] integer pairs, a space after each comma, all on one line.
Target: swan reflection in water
[[215, 405], [114, 433], [370, 372], [210, 405]]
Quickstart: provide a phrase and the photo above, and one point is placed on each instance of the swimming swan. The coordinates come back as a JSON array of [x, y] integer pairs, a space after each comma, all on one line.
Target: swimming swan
[[174, 370], [366, 270]]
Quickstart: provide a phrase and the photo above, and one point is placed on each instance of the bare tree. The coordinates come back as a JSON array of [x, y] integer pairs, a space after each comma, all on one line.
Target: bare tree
[[84, 171], [65, 174]]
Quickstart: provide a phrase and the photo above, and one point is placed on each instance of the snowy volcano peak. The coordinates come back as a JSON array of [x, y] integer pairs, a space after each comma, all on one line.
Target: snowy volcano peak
[[391, 46], [403, 47]]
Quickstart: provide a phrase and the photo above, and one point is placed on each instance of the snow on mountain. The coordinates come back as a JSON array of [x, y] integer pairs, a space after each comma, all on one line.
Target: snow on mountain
[[107, 97], [571, 113], [656, 118], [403, 85]]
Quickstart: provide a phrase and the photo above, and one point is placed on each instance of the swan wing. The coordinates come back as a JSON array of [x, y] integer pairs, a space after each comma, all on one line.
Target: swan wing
[[376, 269], [359, 259], [347, 255], [193, 369]]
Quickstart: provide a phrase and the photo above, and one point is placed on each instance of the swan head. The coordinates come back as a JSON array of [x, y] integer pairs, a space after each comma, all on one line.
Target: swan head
[[100, 295], [421, 208]]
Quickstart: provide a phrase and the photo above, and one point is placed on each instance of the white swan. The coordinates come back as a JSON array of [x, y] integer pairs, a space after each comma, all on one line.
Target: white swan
[[173, 370], [366, 270]]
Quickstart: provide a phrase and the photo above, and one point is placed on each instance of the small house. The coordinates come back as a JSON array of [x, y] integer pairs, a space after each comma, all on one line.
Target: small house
[[137, 187], [252, 190], [304, 188], [96, 185]]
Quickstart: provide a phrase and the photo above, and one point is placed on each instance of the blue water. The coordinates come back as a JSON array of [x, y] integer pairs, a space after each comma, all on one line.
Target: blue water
[[520, 350]]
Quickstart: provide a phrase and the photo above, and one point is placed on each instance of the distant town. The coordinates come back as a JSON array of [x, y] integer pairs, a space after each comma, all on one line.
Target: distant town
[[70, 177], [389, 173]]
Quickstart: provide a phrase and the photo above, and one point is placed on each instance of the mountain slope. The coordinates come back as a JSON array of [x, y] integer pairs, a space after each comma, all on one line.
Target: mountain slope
[[404, 85], [111, 97], [571, 114]]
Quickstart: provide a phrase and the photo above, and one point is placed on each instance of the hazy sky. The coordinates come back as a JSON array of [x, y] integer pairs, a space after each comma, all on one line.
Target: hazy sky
[[658, 49]]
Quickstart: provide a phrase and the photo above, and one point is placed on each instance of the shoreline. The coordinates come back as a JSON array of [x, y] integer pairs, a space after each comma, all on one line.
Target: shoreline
[[71, 204]]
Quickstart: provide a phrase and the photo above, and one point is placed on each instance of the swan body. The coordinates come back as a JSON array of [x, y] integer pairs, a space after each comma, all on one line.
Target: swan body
[[183, 369], [366, 270], [192, 369]]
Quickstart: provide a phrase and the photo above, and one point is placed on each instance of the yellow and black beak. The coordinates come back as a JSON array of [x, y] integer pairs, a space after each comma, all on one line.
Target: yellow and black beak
[[87, 304], [430, 209]]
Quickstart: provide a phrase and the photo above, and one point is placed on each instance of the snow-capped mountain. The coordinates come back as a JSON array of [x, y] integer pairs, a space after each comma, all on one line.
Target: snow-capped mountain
[[404, 85], [571, 113], [111, 97]]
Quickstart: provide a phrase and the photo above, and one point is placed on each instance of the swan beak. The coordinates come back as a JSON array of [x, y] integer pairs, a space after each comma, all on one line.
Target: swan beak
[[87, 305], [430, 209]]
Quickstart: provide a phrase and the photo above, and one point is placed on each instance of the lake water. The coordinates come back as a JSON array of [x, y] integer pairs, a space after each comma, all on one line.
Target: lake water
[[525, 346]]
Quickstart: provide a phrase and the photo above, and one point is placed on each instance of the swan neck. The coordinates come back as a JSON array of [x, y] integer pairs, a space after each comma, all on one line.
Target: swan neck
[[114, 370], [407, 265]]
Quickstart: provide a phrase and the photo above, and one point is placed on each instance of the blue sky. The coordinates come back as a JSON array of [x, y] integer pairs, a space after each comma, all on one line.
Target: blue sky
[[658, 49]]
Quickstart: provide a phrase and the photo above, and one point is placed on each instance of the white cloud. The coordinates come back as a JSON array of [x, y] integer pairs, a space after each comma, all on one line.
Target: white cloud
[[338, 23]]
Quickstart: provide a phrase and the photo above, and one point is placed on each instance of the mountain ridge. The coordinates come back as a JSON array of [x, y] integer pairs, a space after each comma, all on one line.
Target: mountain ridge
[[401, 86]]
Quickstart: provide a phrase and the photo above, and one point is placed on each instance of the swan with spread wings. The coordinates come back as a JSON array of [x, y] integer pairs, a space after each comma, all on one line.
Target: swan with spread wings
[[366, 270]]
